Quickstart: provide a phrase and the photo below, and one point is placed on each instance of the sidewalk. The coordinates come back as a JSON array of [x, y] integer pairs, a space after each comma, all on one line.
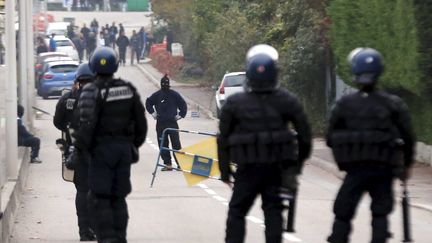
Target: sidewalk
[[420, 185]]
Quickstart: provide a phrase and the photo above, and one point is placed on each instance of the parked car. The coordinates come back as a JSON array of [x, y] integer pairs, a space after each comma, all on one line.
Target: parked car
[[231, 83], [59, 75], [40, 60], [58, 28], [65, 45]]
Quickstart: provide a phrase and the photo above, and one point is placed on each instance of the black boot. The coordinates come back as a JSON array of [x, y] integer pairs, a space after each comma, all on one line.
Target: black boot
[[87, 235]]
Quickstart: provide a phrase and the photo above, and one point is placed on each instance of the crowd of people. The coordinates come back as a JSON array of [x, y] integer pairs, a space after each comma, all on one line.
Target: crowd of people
[[88, 37], [113, 36]]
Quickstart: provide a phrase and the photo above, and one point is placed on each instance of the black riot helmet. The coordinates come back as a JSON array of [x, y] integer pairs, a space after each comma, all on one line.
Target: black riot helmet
[[366, 65], [104, 60], [261, 68], [165, 82], [84, 73]]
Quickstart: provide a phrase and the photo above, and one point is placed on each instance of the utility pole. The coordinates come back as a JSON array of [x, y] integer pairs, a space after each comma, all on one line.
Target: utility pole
[[11, 93], [23, 57], [30, 61]]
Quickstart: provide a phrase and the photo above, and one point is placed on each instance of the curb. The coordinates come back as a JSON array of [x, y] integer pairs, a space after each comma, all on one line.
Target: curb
[[14, 198], [155, 81]]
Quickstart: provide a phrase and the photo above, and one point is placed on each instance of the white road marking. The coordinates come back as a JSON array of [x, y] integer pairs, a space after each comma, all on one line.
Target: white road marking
[[210, 191], [219, 198], [291, 237], [203, 186], [254, 220]]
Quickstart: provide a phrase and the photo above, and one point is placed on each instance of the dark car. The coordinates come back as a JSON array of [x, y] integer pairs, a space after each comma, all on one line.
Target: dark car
[[58, 76]]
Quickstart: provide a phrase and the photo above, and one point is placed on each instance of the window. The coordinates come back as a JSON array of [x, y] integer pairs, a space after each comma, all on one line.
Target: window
[[234, 81], [64, 68]]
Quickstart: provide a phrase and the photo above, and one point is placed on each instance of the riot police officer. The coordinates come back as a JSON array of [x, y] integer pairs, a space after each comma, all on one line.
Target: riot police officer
[[66, 118], [255, 135], [112, 128], [366, 131]]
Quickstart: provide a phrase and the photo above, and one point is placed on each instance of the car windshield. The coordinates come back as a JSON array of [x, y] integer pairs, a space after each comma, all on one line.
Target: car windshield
[[63, 43], [59, 32], [234, 81], [66, 68]]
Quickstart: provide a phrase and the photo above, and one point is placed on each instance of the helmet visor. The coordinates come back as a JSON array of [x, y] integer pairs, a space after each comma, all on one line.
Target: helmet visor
[[365, 78]]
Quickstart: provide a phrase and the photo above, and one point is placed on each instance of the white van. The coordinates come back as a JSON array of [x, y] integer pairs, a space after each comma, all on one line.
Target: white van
[[58, 28], [65, 45]]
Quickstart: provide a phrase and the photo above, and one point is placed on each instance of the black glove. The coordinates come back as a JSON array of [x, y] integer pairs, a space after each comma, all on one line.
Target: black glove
[[135, 154], [77, 156], [72, 161]]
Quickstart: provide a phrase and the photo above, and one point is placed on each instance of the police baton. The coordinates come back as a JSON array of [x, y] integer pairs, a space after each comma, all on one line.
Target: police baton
[[40, 110], [406, 213], [290, 205]]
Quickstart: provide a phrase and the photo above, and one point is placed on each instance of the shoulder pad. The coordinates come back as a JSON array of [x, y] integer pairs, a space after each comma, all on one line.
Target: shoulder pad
[[66, 94], [90, 86], [119, 82], [90, 90]]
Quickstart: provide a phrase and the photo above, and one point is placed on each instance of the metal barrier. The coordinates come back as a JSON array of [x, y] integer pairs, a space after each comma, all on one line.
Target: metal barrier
[[201, 164]]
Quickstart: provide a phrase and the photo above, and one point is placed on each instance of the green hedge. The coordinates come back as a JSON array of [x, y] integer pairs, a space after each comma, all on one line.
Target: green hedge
[[398, 30]]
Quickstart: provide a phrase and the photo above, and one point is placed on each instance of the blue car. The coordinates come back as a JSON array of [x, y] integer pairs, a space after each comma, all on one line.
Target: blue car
[[57, 76]]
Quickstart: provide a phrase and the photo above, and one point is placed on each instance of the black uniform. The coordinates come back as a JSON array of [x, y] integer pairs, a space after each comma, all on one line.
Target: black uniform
[[168, 104], [255, 134], [122, 43], [66, 118], [363, 132], [113, 126]]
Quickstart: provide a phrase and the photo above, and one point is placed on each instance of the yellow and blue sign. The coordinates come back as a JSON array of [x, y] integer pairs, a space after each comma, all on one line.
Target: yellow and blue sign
[[201, 166], [199, 161]]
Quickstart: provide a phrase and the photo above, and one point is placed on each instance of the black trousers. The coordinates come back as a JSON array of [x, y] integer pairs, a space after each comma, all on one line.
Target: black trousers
[[378, 183], [250, 181], [85, 223], [122, 54], [172, 136], [135, 53], [109, 182], [32, 142]]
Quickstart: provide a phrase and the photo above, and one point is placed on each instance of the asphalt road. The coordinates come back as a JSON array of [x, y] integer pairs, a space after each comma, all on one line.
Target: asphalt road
[[171, 211]]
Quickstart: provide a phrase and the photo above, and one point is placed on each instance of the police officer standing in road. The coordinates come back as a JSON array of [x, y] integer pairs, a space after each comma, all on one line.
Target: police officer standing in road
[[66, 119], [366, 131], [255, 134], [167, 107], [112, 128]]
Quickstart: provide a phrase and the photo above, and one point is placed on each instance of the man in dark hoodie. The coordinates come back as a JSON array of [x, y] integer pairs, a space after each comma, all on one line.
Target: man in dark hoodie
[[122, 43], [26, 139], [167, 107]]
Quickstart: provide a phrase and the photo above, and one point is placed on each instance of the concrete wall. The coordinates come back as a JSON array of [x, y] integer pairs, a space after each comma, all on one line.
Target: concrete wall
[[3, 177]]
